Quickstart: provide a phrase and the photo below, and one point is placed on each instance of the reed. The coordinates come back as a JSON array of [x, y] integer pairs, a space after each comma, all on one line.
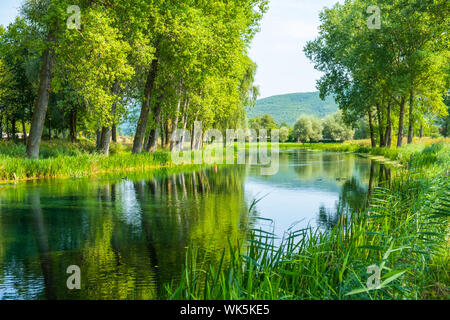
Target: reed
[[61, 159], [404, 232]]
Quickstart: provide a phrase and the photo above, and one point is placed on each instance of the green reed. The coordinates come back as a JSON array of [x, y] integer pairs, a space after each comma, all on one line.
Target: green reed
[[404, 232], [62, 159]]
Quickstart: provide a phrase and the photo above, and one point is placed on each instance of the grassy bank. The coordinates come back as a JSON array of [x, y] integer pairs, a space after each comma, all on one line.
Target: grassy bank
[[402, 155], [62, 159], [405, 232]]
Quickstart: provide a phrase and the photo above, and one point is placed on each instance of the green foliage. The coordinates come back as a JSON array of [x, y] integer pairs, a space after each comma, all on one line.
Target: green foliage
[[335, 129], [284, 134], [100, 71], [403, 232], [307, 129], [264, 122], [286, 108]]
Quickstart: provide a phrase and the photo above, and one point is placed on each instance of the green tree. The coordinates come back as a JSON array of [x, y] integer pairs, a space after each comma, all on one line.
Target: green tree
[[201, 71], [284, 134], [307, 129], [371, 70], [335, 129]]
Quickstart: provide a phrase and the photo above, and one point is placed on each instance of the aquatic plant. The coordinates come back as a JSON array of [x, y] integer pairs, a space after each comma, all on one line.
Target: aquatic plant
[[404, 232]]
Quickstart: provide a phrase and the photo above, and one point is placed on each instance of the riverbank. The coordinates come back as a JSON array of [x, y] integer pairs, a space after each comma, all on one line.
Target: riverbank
[[399, 155], [404, 233], [61, 160]]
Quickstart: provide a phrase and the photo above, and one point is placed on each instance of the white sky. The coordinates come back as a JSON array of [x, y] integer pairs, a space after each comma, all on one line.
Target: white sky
[[277, 49]]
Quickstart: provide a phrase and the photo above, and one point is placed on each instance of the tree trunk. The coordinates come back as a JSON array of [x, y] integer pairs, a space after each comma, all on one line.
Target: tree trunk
[[175, 123], [105, 140], [8, 131], [388, 135], [114, 133], [145, 110], [73, 126], [166, 133], [411, 118], [400, 123], [24, 130], [185, 116], [99, 139], [380, 126], [421, 131], [1, 126], [372, 131], [162, 133], [152, 143], [40, 109]]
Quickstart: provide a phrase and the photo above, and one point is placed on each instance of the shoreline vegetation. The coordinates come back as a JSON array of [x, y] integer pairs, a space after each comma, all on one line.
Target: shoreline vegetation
[[404, 231], [59, 159], [67, 160]]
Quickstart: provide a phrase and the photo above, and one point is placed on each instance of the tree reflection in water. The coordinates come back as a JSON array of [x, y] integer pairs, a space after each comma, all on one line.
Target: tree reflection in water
[[354, 197], [129, 235]]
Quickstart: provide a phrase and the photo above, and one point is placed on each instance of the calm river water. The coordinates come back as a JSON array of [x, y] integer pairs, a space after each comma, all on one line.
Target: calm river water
[[129, 235]]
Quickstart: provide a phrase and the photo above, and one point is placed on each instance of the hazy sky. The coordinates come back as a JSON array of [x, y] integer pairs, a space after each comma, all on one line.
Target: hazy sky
[[277, 49], [8, 11]]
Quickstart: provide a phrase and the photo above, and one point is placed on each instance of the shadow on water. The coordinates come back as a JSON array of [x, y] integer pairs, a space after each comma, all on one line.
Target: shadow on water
[[129, 238], [129, 235], [354, 197]]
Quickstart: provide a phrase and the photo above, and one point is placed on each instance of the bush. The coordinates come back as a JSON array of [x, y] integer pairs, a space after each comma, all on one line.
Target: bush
[[307, 129]]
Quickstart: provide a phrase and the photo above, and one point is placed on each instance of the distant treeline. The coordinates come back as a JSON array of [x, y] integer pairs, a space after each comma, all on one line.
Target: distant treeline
[[288, 107], [307, 128]]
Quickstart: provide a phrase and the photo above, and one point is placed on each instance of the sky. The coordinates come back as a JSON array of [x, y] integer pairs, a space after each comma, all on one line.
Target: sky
[[9, 9], [277, 49]]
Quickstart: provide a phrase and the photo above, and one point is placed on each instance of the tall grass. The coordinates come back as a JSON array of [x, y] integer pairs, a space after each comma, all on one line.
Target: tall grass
[[404, 232], [402, 155], [61, 159]]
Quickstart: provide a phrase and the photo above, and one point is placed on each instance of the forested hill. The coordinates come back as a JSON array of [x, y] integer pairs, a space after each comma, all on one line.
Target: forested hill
[[288, 107]]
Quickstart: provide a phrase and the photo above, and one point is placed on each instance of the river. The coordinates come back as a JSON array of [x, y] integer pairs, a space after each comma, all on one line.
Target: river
[[129, 235]]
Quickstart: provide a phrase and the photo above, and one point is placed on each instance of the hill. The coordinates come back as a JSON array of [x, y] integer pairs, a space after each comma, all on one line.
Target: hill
[[288, 107]]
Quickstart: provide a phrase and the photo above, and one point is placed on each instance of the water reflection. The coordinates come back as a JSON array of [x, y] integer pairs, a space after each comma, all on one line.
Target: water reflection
[[129, 235], [313, 189], [354, 197]]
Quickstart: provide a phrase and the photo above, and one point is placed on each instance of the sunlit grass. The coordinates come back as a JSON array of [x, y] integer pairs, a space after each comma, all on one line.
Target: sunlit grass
[[62, 159]]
